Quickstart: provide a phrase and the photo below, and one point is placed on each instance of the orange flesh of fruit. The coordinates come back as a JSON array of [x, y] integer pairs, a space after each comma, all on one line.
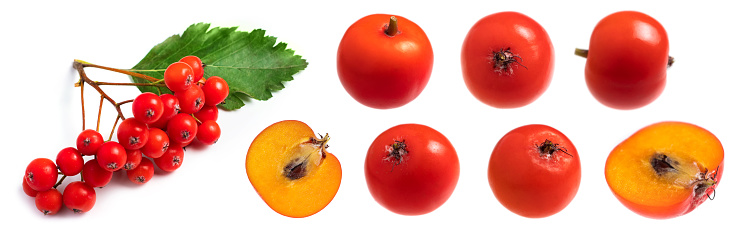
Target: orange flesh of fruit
[[692, 151], [285, 144]]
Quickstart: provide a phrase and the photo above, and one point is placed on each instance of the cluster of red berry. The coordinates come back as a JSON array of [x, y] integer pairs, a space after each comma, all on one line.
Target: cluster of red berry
[[161, 127]]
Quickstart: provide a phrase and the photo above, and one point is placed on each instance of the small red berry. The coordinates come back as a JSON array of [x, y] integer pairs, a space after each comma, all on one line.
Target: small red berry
[[89, 141], [49, 202], [79, 197], [70, 161], [41, 174]]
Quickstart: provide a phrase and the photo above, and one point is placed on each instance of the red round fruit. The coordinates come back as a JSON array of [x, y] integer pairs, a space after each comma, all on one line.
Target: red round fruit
[[79, 197], [157, 143], [41, 174], [147, 107], [207, 113], [94, 175], [70, 161], [411, 169], [208, 132], [142, 173], [384, 68], [182, 129], [507, 60], [179, 76], [49, 202], [534, 171], [133, 158], [171, 160], [216, 90], [111, 156], [196, 65], [171, 107], [28, 190], [132, 134], [627, 60], [191, 100], [88, 142]]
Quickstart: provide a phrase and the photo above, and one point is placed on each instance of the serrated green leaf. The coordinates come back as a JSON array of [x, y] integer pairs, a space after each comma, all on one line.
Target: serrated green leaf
[[252, 63]]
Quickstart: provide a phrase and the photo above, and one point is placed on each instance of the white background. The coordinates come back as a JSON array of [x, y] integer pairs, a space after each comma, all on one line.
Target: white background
[[41, 113]]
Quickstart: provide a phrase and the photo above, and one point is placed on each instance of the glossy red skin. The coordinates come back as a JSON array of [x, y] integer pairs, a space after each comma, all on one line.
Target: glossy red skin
[[79, 197], [380, 71], [94, 175], [132, 133], [215, 90], [207, 113], [526, 39], [144, 102], [191, 100], [133, 158], [426, 176], [171, 107], [196, 65], [157, 143], [41, 174], [28, 190], [171, 160], [209, 132], [142, 173], [627, 60], [69, 161], [179, 76], [111, 156], [182, 129], [527, 183], [94, 140], [49, 202]]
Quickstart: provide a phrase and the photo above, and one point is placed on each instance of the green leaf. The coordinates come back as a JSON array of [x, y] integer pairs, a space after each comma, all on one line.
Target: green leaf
[[251, 62]]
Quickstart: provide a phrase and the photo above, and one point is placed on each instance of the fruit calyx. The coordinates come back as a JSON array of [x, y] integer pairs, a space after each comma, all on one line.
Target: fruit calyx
[[311, 152], [396, 153], [548, 149], [391, 29], [502, 60]]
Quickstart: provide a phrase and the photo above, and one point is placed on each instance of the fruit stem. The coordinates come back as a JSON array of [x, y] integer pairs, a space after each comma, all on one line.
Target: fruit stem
[[100, 110], [84, 64], [583, 53], [156, 84], [60, 181], [392, 29], [84, 77]]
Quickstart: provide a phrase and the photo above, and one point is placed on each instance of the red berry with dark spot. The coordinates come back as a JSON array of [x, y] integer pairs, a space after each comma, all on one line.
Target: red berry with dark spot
[[94, 175], [49, 202], [89, 141], [132, 134], [79, 197], [111, 156], [41, 174], [142, 173]]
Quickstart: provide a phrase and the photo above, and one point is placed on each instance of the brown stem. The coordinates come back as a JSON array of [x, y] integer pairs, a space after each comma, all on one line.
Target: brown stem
[[84, 77], [110, 136], [100, 109], [60, 181], [82, 103], [130, 84], [392, 29], [138, 75], [583, 53]]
